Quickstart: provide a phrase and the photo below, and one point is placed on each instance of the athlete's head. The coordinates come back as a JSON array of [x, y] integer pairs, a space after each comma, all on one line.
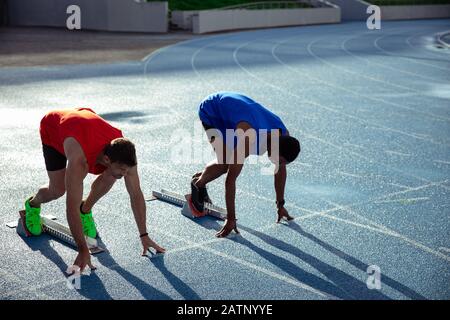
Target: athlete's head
[[289, 149], [120, 156]]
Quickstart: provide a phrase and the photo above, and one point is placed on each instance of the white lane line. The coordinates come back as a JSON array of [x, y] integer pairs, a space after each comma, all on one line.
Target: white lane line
[[178, 115], [434, 53], [194, 56], [353, 145], [441, 161], [399, 185], [403, 200], [171, 46], [360, 75], [397, 153], [257, 268], [396, 69], [343, 47], [423, 135], [387, 230], [418, 136], [349, 174], [382, 197], [157, 52], [290, 205], [409, 73], [394, 234], [405, 58], [381, 127], [444, 249], [273, 274], [368, 159], [374, 226], [369, 176], [353, 223]]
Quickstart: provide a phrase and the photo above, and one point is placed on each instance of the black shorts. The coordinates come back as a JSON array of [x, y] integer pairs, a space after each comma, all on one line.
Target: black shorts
[[53, 159]]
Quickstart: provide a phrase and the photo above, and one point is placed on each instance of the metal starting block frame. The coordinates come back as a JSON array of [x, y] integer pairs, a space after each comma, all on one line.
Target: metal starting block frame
[[182, 201], [54, 229]]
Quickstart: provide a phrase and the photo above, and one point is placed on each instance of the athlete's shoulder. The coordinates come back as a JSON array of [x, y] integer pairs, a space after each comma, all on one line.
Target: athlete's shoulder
[[227, 94], [85, 109]]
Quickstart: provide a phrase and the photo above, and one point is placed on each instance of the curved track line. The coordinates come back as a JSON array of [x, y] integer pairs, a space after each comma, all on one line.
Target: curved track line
[[390, 53], [395, 69], [428, 114], [412, 135], [343, 47]]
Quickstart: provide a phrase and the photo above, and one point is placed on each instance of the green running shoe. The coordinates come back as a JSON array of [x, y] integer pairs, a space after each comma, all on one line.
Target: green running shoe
[[33, 220], [88, 223]]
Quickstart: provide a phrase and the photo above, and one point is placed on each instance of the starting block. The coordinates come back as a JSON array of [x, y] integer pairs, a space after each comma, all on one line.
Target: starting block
[[54, 229], [182, 201]]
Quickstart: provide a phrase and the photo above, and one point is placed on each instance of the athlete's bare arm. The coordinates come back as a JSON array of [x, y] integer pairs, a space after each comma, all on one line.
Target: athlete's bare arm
[[77, 169], [139, 209]]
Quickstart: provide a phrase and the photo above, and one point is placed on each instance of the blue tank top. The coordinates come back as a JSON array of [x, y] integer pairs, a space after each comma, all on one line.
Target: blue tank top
[[224, 110]]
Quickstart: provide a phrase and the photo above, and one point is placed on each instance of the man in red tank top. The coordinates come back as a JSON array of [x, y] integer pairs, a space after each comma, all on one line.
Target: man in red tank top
[[77, 142]]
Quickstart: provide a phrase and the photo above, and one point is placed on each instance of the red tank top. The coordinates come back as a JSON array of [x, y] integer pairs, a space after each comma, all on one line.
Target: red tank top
[[91, 131]]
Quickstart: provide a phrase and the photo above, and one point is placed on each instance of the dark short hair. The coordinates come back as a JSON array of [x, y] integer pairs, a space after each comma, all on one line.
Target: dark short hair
[[206, 126], [289, 148], [121, 150]]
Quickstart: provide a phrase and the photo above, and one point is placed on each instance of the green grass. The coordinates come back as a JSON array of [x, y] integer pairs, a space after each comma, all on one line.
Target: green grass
[[213, 4], [406, 2]]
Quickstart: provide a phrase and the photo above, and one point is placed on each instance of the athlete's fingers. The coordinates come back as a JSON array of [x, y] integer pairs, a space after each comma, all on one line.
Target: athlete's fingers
[[223, 232], [159, 249]]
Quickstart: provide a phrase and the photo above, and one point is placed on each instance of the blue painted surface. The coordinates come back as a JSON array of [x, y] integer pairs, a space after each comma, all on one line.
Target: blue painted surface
[[371, 187]]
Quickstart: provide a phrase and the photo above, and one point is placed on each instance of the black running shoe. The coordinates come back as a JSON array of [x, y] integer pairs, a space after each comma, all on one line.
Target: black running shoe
[[206, 197], [197, 196]]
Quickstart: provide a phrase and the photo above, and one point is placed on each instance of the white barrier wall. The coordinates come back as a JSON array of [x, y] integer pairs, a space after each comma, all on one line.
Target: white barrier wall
[[356, 10], [108, 15], [415, 12], [352, 9], [127, 15], [221, 20], [183, 19]]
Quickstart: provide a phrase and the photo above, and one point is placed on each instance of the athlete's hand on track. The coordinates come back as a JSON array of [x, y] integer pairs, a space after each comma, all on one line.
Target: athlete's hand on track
[[283, 213], [148, 243], [83, 259], [229, 226]]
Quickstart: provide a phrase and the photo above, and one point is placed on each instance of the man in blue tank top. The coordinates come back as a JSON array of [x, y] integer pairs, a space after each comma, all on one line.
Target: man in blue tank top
[[237, 127]]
